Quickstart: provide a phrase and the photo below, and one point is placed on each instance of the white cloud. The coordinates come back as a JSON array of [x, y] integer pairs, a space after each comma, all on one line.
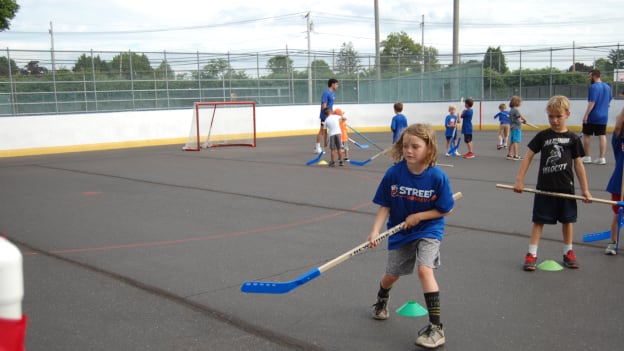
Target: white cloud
[[251, 26]]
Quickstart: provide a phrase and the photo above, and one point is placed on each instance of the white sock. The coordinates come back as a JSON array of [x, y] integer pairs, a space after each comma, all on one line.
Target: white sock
[[318, 146], [533, 250], [566, 248]]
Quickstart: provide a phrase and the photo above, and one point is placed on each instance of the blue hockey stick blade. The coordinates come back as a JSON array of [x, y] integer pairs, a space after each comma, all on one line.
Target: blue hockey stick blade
[[452, 149], [361, 163], [361, 146], [279, 287], [315, 160], [588, 238]]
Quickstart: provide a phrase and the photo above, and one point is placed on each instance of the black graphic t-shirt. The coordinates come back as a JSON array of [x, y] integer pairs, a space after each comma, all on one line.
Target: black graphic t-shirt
[[558, 151]]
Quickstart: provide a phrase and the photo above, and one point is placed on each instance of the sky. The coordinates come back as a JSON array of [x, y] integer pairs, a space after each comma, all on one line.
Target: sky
[[244, 26]]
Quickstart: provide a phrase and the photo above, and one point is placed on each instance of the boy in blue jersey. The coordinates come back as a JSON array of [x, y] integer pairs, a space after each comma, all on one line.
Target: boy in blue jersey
[[503, 130], [561, 157], [466, 120], [596, 116], [615, 182], [415, 191], [399, 121], [327, 101], [450, 133]]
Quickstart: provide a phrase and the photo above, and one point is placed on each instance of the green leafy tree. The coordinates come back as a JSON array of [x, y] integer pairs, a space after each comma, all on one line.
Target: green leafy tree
[[8, 9], [320, 68], [401, 54], [5, 66], [87, 64], [164, 71], [604, 65], [616, 56], [32, 68], [215, 69], [280, 65], [347, 62], [495, 59], [579, 67], [140, 68]]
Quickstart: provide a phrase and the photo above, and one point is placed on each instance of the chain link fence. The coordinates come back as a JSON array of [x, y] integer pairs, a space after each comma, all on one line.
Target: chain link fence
[[60, 82]]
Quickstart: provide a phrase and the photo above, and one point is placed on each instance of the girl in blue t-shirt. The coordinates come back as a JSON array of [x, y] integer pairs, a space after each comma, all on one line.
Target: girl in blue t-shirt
[[415, 191]]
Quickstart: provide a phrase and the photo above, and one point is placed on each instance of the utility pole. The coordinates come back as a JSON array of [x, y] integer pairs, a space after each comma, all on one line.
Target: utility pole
[[422, 56], [308, 33], [51, 31], [455, 32], [377, 54]]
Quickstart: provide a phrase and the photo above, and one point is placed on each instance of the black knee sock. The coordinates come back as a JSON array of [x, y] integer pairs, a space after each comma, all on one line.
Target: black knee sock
[[383, 293], [433, 306]]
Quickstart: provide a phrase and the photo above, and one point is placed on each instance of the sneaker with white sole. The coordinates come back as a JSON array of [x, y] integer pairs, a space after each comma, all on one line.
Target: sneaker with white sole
[[611, 249], [431, 336], [587, 159], [380, 309], [600, 161]]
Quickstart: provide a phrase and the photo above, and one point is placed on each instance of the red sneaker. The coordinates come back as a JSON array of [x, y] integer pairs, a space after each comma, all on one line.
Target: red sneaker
[[530, 262], [569, 260], [469, 155]]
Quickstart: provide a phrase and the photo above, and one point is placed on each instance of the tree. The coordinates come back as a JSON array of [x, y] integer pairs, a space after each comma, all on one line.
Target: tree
[[32, 68], [401, 54], [5, 65], [616, 56], [216, 68], [87, 64], [131, 62], [495, 59], [8, 9], [164, 71], [280, 64], [347, 61], [579, 67], [320, 69]]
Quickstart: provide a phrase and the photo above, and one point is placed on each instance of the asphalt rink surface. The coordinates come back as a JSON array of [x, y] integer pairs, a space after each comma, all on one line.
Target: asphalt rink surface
[[147, 248]]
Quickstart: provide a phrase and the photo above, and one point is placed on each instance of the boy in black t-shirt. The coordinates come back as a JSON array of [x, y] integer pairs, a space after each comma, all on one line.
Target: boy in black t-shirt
[[561, 157]]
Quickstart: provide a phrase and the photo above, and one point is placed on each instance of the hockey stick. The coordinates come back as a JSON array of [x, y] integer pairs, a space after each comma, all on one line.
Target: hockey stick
[[259, 287], [365, 137], [530, 124], [316, 159], [452, 149], [620, 222], [365, 162], [361, 146], [563, 195]]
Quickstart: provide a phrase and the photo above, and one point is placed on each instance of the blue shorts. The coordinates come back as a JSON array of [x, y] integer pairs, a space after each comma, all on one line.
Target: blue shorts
[[515, 136]]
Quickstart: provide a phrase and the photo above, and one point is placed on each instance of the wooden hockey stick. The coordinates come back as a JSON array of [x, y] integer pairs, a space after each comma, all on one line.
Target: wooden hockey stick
[[259, 287], [563, 195]]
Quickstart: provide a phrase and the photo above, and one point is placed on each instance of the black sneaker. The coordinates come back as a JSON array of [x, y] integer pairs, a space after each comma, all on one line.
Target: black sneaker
[[340, 163], [332, 164], [380, 308]]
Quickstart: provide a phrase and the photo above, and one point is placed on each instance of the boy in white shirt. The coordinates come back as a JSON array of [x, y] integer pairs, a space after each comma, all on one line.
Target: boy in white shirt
[[332, 123]]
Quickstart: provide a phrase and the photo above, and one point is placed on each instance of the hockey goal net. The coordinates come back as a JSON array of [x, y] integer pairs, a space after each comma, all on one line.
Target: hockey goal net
[[217, 124]]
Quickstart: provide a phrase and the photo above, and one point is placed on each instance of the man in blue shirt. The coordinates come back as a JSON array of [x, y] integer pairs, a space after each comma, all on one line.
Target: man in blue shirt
[[327, 101], [596, 116]]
